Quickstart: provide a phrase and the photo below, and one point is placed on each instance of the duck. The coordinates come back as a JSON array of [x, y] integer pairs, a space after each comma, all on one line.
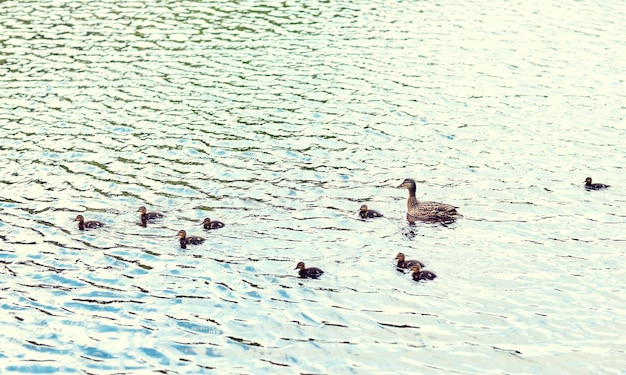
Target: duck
[[208, 224], [420, 274], [402, 263], [596, 186], [365, 213], [311, 272], [82, 224], [191, 240], [427, 211], [145, 215]]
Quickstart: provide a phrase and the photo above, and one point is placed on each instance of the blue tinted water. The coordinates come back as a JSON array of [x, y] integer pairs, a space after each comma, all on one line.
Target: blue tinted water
[[281, 119]]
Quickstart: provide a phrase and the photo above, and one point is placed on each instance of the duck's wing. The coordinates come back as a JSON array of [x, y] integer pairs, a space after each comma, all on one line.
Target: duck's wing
[[372, 213], [314, 272], [195, 240], [411, 263], [424, 275], [93, 224], [432, 209], [154, 215], [442, 218], [442, 207]]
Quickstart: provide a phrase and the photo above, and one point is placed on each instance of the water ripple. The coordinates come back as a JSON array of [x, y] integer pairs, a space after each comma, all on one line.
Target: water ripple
[[281, 119]]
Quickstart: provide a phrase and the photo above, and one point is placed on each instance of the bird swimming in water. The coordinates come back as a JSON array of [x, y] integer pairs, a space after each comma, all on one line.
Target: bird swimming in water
[[365, 213], [312, 272], [596, 186], [208, 224], [191, 240], [145, 215], [420, 274], [427, 211], [82, 224], [402, 263]]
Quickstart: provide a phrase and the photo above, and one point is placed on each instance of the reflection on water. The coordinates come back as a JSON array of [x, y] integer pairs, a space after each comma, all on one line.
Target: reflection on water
[[281, 120]]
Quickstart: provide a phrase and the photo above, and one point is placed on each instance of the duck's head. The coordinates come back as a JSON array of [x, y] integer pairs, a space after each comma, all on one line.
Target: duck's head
[[206, 221], [300, 266], [588, 180], [400, 257], [142, 209], [416, 268], [363, 207], [182, 234], [408, 183], [79, 218]]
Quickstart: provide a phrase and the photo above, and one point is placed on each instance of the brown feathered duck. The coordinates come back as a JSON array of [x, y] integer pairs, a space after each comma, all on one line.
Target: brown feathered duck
[[208, 224], [191, 240], [427, 211], [365, 213], [596, 186], [145, 215], [82, 224], [402, 263], [420, 274], [311, 272]]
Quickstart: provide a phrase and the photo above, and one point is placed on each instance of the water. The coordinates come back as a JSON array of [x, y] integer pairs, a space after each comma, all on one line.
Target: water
[[280, 119]]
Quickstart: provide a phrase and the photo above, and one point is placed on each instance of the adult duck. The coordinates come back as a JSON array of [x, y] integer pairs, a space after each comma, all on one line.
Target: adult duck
[[208, 224], [427, 211], [594, 186], [82, 224], [420, 274], [145, 215], [403, 263], [365, 213], [312, 272], [191, 240]]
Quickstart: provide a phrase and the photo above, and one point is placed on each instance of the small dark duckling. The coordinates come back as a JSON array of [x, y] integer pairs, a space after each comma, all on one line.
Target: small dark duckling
[[402, 263], [427, 211], [311, 272], [191, 240], [145, 215], [208, 224], [420, 274], [596, 186], [365, 213], [82, 224]]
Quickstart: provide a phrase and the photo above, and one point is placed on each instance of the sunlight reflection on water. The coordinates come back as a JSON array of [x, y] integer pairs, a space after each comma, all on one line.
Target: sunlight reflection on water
[[281, 120]]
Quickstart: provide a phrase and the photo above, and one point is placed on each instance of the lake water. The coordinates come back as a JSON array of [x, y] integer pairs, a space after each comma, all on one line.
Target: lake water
[[280, 119]]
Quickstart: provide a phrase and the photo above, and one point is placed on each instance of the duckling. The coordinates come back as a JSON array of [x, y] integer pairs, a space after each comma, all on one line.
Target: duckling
[[365, 213], [145, 215], [311, 272], [419, 274], [191, 240], [427, 211], [208, 224], [596, 186], [406, 263], [82, 224]]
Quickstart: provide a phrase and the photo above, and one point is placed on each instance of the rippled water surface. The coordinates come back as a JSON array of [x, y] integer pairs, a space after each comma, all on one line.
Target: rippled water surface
[[280, 119]]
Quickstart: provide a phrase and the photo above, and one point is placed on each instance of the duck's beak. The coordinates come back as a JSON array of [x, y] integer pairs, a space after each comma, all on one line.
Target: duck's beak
[[401, 186]]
